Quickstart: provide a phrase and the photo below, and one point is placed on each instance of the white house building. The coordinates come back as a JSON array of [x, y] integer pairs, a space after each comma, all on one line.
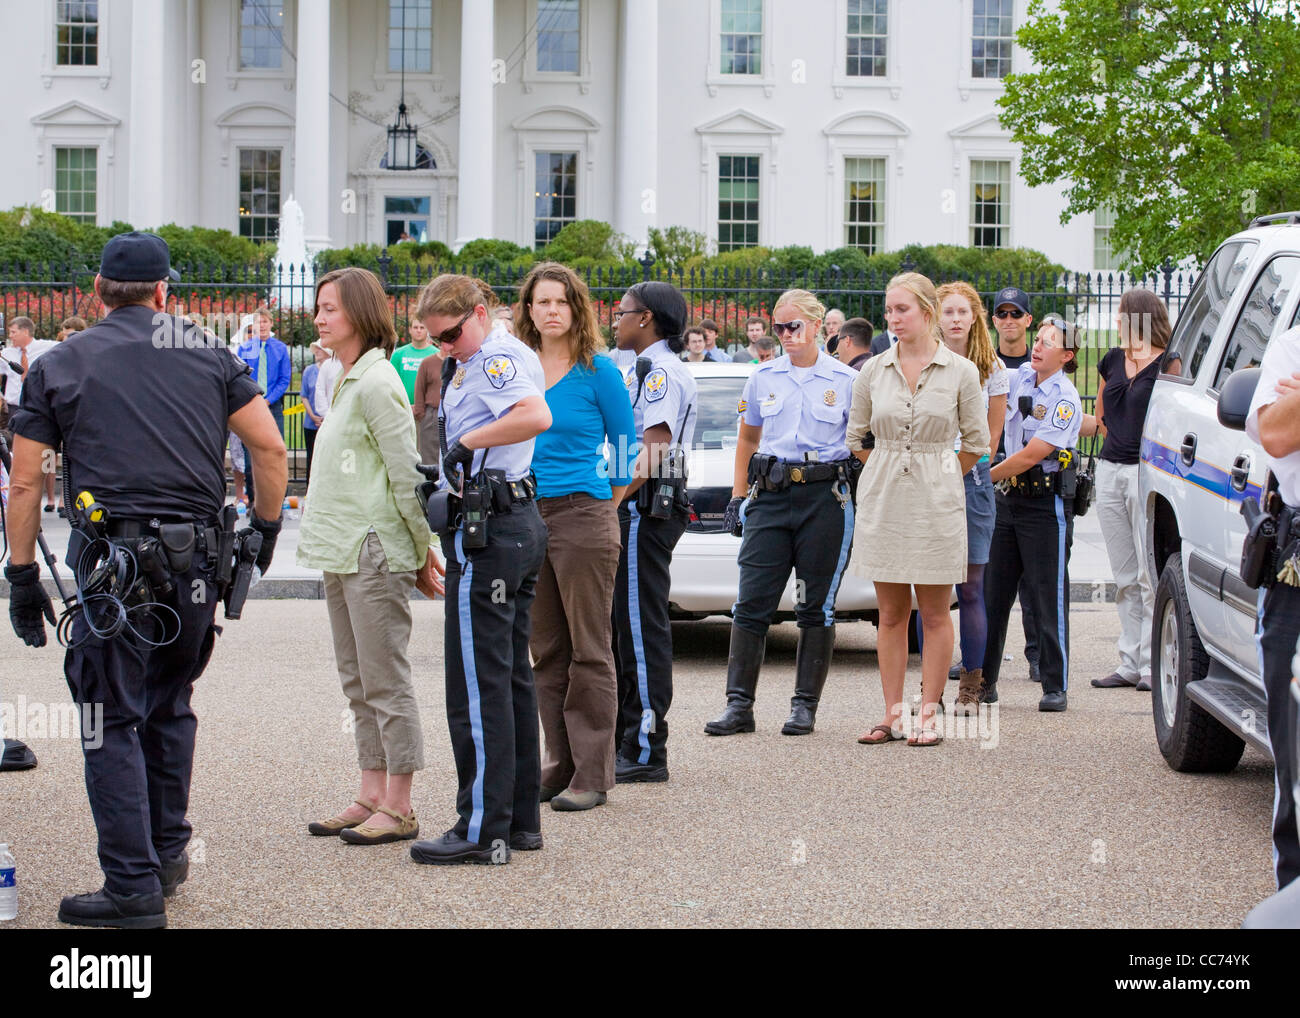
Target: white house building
[[819, 122]]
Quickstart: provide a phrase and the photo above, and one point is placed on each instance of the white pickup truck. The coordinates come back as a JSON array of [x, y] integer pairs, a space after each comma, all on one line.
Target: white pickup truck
[[1207, 696]]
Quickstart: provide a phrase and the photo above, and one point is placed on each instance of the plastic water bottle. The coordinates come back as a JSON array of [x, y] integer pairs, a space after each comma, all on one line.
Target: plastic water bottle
[[8, 885]]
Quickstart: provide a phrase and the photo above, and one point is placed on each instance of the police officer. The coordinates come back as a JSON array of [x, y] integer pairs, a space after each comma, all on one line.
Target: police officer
[[1035, 510], [1274, 422], [652, 518], [492, 407], [141, 404], [792, 460]]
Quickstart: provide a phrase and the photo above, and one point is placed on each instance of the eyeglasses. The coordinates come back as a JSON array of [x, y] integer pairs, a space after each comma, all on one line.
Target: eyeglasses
[[1009, 314], [618, 315], [453, 334]]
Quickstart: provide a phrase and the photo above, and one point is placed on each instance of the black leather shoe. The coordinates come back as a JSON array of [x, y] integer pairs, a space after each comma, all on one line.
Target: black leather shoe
[[525, 841], [812, 662], [451, 850], [119, 911], [626, 771], [548, 793], [1052, 702], [744, 659], [989, 691], [174, 873], [954, 673], [1033, 673]]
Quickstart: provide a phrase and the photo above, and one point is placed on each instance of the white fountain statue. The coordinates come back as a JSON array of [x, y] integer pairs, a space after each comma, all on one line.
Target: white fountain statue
[[292, 262]]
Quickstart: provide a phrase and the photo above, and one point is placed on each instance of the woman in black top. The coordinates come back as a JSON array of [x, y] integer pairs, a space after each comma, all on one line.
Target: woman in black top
[[1125, 377]]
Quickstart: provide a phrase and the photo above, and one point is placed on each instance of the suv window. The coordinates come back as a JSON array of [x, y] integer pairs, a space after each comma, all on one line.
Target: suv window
[[1200, 317], [1258, 316]]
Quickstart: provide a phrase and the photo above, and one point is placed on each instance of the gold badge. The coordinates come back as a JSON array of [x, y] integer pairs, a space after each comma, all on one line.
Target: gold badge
[[1040, 412], [829, 397], [458, 378]]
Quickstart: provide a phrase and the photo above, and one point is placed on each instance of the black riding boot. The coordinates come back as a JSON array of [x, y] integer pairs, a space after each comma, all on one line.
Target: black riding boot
[[812, 662], [743, 662]]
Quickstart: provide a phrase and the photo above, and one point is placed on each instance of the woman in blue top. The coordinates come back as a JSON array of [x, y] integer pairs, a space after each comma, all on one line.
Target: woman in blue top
[[578, 491]]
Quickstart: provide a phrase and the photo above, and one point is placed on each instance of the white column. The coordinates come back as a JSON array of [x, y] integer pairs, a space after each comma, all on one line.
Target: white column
[[145, 164], [311, 129], [636, 184], [477, 122]]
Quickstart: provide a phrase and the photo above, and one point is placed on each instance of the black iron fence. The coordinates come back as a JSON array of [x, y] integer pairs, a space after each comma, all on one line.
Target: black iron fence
[[225, 300]]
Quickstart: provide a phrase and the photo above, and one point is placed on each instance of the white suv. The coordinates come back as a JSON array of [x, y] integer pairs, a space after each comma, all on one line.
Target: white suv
[[1207, 696]]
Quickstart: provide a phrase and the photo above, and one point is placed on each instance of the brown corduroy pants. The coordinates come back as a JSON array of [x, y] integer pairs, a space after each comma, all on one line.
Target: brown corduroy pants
[[577, 691]]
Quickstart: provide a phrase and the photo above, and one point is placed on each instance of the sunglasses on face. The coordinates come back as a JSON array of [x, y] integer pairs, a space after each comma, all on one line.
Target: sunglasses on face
[[1009, 314], [618, 315], [781, 328], [453, 334]]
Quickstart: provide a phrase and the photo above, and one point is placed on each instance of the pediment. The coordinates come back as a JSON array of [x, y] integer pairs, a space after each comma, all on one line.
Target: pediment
[[740, 122], [75, 114], [555, 118], [986, 126], [255, 115], [865, 124]]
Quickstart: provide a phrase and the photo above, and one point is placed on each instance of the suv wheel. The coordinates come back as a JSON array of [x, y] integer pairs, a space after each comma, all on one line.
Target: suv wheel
[[1190, 738]]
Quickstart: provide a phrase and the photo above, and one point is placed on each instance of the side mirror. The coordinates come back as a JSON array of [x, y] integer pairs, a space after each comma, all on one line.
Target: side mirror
[[1235, 397]]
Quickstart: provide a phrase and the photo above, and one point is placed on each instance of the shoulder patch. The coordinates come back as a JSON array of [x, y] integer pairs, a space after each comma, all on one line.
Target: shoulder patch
[[1063, 414], [656, 385], [499, 369], [742, 406]]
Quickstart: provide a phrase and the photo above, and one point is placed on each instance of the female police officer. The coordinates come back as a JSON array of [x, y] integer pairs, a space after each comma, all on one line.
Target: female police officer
[[792, 458], [648, 330], [492, 408], [1033, 532]]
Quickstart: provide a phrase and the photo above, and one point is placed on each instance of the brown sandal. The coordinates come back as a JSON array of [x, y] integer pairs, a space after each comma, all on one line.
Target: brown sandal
[[407, 828], [925, 737], [890, 736], [331, 827]]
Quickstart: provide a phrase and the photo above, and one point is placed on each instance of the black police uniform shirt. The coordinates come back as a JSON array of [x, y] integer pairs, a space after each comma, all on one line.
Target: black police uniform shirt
[[141, 405], [801, 410], [1055, 414]]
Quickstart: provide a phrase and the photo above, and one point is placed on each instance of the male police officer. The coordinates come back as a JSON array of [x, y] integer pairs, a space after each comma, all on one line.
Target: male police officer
[[141, 405]]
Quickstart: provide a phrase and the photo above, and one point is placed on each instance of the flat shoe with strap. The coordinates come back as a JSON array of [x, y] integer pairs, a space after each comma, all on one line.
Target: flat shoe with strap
[[889, 736], [407, 828], [330, 828]]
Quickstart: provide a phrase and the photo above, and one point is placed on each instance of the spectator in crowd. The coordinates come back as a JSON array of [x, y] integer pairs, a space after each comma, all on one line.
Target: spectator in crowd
[[311, 419], [1011, 319], [268, 359], [365, 529], [577, 494], [506, 316], [764, 349], [18, 356], [428, 395], [911, 515], [408, 357], [755, 329], [238, 459], [695, 348], [1126, 375], [831, 327], [882, 341], [712, 351], [70, 327], [961, 314], [852, 342]]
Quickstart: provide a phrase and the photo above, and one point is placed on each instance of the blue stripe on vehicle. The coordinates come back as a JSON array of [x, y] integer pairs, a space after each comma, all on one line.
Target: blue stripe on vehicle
[[1060, 592], [634, 617], [1204, 475], [828, 609], [471, 688]]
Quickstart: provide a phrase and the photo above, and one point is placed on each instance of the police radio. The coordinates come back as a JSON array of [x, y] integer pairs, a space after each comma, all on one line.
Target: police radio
[[1025, 404]]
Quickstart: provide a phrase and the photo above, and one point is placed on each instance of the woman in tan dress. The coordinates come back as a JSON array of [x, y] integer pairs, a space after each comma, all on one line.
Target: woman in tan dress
[[911, 518]]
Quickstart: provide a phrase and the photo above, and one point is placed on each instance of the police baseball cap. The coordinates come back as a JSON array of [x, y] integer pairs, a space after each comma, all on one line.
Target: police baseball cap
[[137, 257], [1014, 296]]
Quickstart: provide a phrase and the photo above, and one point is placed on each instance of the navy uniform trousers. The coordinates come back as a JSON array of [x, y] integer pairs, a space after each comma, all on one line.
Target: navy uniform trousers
[[491, 701], [138, 777], [1279, 631], [643, 636], [804, 528], [1031, 552]]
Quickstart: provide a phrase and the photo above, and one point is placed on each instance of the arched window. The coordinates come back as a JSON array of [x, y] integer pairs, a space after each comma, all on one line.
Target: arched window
[[423, 159]]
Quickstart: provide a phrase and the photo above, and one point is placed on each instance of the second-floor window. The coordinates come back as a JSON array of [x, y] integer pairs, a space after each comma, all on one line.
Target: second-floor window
[[742, 37], [868, 35], [410, 35], [260, 25], [559, 29], [76, 33], [990, 48]]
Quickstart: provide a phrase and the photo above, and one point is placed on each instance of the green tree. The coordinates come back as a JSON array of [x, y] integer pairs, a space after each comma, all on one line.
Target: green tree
[[1182, 116]]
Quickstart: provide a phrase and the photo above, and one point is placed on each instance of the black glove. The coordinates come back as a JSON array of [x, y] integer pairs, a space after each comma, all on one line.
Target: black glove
[[731, 518], [269, 531], [455, 462], [28, 602]]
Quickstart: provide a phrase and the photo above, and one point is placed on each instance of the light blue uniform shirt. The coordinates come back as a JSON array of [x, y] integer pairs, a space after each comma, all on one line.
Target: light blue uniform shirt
[[800, 415], [668, 395], [1056, 416], [484, 387]]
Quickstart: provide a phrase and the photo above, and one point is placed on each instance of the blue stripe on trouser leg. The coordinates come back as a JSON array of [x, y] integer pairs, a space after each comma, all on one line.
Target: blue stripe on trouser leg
[[471, 688], [1259, 650], [1060, 592], [828, 608], [634, 620]]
